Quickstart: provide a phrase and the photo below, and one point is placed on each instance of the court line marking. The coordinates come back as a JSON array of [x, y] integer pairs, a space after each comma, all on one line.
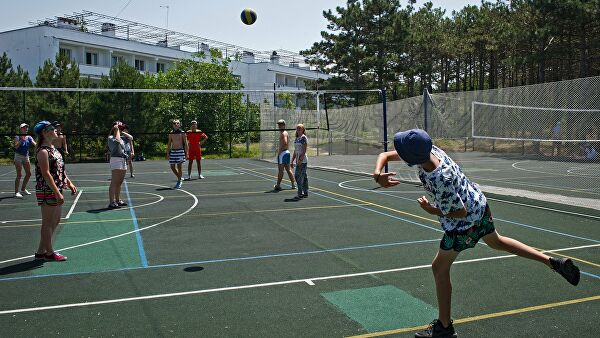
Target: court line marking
[[332, 206], [74, 203], [136, 227], [420, 217], [521, 224], [125, 233], [242, 287], [160, 198], [485, 316], [233, 259], [545, 208], [348, 187]]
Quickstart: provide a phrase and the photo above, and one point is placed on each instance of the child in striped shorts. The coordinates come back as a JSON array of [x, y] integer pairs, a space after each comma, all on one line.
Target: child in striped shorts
[[177, 148]]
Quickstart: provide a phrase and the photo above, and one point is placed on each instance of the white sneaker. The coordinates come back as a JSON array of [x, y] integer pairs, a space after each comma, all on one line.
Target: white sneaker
[[200, 177], [18, 195], [188, 177], [25, 192]]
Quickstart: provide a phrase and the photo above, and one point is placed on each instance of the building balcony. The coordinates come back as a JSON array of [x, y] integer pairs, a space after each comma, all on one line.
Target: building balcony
[[93, 71]]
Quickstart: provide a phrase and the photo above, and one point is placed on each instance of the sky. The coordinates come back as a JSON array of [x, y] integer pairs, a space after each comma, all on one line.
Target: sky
[[281, 24]]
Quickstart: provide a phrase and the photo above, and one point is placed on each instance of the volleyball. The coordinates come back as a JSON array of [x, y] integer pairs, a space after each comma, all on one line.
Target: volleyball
[[248, 16]]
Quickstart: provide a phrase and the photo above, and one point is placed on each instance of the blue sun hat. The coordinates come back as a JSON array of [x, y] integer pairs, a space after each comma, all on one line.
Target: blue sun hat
[[413, 146], [40, 126]]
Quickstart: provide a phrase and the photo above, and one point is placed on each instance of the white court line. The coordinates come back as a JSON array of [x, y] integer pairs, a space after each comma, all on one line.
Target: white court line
[[160, 198], [125, 233], [74, 203], [252, 286]]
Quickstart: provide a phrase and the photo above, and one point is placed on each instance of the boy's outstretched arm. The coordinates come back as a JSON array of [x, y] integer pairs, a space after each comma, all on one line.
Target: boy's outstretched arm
[[385, 179]]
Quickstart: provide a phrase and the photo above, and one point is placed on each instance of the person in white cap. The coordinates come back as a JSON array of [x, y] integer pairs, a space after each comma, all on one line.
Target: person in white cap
[[22, 144], [283, 157]]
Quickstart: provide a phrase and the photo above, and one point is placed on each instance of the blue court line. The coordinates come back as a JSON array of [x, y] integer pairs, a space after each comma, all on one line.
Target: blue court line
[[547, 230], [232, 259], [496, 218], [136, 227], [359, 206], [590, 274]]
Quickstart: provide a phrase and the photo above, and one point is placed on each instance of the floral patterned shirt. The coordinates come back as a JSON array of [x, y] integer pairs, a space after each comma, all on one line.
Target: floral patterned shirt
[[57, 170], [450, 190]]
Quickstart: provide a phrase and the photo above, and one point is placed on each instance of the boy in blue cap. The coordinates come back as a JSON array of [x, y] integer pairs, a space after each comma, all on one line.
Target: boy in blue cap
[[463, 213]]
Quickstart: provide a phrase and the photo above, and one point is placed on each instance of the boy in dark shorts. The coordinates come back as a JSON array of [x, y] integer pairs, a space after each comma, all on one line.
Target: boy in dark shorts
[[177, 149], [463, 213]]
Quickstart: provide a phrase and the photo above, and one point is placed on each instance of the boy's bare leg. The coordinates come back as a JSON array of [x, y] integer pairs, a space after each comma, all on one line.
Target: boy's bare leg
[[290, 174], [443, 286], [495, 241], [279, 174]]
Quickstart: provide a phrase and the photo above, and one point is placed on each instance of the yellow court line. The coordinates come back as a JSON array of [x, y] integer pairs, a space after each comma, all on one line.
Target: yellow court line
[[485, 316], [195, 215], [361, 201], [576, 259], [407, 213]]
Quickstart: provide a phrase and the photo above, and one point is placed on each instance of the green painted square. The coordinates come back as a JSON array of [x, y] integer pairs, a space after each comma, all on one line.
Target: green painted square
[[83, 227], [382, 308]]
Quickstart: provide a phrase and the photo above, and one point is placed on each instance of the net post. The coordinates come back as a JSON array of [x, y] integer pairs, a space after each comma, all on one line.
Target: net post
[[425, 108], [318, 122], [385, 136]]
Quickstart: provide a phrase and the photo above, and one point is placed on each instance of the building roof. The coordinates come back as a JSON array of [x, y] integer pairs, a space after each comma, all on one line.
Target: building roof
[[97, 23]]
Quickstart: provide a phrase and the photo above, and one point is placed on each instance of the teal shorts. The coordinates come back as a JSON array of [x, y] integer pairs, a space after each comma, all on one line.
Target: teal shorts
[[468, 239]]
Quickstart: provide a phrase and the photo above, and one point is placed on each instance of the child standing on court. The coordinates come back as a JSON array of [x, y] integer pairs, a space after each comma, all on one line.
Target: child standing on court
[[118, 164], [50, 179], [22, 144], [177, 148], [196, 139], [301, 161], [463, 213], [283, 157]]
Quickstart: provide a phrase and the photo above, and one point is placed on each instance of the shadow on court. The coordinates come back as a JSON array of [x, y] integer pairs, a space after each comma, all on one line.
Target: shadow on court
[[21, 267]]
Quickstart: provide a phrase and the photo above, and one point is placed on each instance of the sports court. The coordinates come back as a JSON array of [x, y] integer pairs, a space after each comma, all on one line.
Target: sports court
[[228, 257]]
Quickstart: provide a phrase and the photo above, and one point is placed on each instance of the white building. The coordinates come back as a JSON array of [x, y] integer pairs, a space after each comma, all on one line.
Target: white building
[[101, 41]]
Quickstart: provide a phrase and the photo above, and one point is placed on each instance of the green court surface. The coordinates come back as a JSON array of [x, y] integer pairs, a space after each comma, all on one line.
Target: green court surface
[[227, 256]]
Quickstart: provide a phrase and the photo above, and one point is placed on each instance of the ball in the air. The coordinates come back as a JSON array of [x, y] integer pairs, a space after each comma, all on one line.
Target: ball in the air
[[248, 16]]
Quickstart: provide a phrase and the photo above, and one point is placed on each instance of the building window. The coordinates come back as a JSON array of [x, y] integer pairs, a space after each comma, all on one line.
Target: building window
[[91, 59], [114, 60], [66, 52], [140, 65], [160, 67]]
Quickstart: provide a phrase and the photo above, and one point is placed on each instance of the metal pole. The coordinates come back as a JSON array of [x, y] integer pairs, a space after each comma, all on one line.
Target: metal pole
[[230, 135], [425, 107], [318, 122], [385, 135]]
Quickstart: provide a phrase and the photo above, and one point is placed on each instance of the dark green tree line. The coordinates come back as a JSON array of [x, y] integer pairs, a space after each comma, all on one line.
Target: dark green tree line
[[382, 44]]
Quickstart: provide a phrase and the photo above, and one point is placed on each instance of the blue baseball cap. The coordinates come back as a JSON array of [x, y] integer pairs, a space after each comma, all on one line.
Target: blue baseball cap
[[413, 146], [40, 126]]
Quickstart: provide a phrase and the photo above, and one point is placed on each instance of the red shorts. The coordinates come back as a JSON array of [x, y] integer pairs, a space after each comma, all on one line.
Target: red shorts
[[194, 154]]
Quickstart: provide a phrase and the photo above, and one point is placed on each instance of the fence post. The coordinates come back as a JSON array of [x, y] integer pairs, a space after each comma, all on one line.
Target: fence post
[[385, 135], [425, 107]]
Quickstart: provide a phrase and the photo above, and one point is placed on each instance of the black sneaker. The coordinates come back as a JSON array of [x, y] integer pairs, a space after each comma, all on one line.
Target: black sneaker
[[121, 203], [436, 329], [566, 268]]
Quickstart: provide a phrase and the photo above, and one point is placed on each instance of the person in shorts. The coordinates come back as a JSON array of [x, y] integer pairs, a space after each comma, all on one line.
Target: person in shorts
[[22, 144], [50, 180], [177, 148], [118, 165], [464, 215], [196, 139], [283, 157]]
